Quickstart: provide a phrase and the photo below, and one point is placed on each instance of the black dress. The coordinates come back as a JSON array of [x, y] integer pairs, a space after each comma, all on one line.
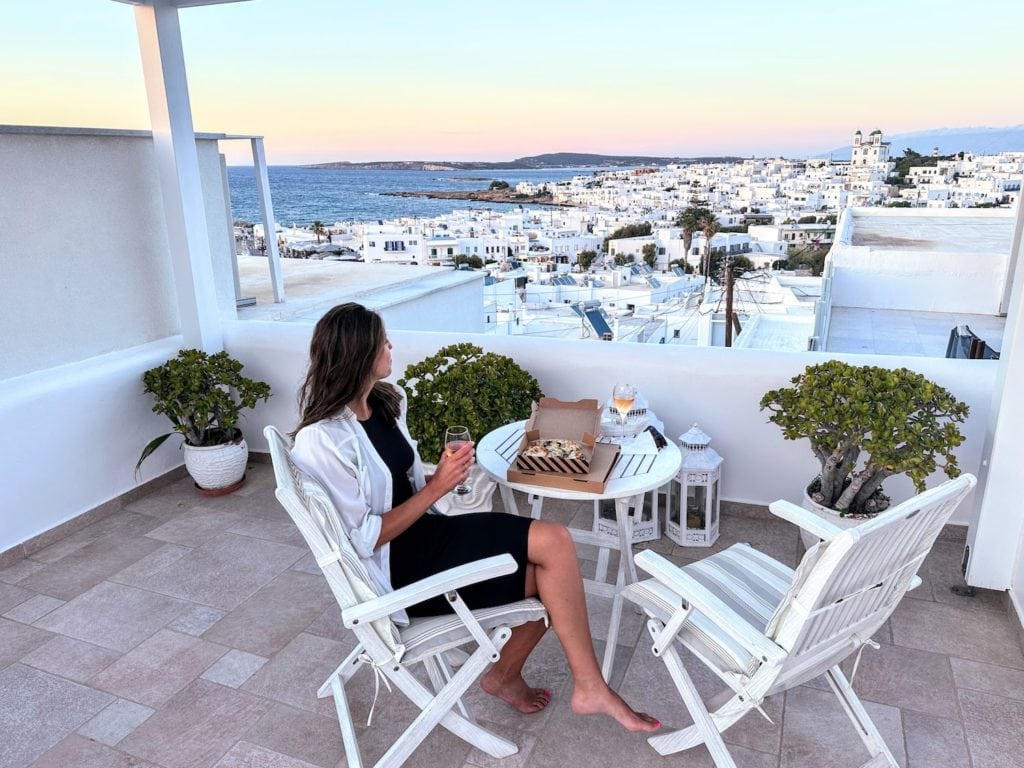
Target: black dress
[[437, 542]]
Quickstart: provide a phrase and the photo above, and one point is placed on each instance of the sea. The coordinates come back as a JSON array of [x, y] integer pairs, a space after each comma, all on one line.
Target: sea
[[303, 195]]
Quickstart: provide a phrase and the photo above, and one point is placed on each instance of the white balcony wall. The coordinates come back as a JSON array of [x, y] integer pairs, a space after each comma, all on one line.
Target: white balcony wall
[[718, 388], [84, 257], [916, 281], [89, 303]]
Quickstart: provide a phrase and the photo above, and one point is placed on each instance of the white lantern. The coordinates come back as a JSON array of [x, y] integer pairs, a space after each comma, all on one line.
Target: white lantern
[[692, 518]]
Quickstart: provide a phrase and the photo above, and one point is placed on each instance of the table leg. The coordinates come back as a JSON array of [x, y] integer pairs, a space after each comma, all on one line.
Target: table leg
[[625, 523], [508, 498]]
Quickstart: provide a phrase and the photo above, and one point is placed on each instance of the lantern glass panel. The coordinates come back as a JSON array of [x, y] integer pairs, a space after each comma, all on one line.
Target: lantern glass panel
[[696, 507], [714, 503], [673, 508]]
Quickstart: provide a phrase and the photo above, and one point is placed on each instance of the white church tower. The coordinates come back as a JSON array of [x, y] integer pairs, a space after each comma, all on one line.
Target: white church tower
[[871, 153]]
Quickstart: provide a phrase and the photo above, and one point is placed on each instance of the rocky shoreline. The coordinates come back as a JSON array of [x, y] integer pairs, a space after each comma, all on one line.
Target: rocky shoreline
[[484, 196]]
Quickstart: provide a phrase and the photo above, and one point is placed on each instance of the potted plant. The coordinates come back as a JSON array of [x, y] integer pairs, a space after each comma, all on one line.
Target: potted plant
[[461, 384], [898, 420], [203, 395]]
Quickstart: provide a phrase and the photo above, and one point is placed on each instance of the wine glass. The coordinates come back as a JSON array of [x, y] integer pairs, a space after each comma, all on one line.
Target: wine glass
[[623, 396], [455, 438]]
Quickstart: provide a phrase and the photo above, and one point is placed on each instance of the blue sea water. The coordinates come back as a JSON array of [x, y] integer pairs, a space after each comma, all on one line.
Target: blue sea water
[[303, 195]]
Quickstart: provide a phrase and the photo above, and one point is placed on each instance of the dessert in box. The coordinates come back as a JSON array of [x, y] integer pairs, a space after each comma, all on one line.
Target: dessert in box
[[560, 437], [601, 463]]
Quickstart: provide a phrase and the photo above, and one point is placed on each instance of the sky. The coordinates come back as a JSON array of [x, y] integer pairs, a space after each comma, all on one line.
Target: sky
[[326, 80]]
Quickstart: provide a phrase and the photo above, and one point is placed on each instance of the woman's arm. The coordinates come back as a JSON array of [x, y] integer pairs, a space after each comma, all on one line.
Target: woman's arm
[[451, 470]]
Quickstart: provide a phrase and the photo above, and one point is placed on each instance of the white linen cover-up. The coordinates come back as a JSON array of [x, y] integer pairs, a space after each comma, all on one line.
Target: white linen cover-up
[[338, 453]]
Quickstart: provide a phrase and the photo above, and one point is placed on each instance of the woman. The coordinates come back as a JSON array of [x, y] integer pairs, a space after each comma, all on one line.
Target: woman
[[353, 438]]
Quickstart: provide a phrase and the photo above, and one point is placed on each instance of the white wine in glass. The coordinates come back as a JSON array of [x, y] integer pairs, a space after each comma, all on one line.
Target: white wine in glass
[[623, 396], [455, 438]]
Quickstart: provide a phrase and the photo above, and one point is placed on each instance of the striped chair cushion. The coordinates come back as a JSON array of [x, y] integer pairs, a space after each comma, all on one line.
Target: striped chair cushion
[[432, 634], [748, 581]]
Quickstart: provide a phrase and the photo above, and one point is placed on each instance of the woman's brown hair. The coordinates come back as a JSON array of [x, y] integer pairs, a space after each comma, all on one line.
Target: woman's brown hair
[[345, 344]]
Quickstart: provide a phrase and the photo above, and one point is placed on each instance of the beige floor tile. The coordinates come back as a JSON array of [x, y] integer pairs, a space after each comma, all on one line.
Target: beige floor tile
[[116, 721], [195, 527], [17, 639], [907, 678], [271, 618], [159, 667], [300, 734], [223, 574], [988, 678], [246, 755], [89, 565], [816, 732], [994, 727], [985, 636], [196, 620], [234, 668], [197, 727], [934, 742], [12, 596], [33, 609], [70, 658], [295, 673], [12, 574], [114, 616], [81, 752], [38, 709]]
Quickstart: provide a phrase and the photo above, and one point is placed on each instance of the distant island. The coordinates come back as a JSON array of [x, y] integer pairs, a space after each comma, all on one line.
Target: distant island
[[508, 195], [536, 162]]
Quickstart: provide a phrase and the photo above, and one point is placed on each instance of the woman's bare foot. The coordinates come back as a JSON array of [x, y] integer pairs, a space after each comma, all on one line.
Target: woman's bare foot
[[516, 693], [602, 700]]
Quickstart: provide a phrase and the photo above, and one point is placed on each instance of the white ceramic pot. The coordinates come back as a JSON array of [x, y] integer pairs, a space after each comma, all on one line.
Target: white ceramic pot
[[217, 468], [827, 514]]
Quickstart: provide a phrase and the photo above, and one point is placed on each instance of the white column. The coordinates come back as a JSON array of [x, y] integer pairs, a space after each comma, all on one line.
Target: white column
[[995, 537], [259, 161], [174, 143]]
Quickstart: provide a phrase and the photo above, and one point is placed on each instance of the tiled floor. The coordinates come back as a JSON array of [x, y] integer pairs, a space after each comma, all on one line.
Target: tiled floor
[[186, 632]]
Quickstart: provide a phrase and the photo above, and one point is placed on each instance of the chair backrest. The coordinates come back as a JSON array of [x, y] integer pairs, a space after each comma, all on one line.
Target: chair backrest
[[311, 509], [846, 588]]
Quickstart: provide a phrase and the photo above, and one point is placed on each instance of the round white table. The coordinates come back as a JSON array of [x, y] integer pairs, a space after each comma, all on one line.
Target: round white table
[[633, 475]]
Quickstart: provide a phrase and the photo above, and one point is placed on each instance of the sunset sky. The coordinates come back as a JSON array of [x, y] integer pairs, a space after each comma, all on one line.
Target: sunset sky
[[329, 80]]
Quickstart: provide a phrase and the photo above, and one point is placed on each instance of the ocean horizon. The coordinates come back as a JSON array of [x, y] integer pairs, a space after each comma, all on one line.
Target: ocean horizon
[[303, 195]]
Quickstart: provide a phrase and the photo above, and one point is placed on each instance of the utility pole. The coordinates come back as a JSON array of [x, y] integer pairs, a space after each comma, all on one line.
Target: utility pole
[[727, 265]]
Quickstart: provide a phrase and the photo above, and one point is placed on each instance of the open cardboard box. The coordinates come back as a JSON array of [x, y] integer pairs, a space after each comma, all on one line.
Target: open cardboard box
[[601, 463], [579, 421]]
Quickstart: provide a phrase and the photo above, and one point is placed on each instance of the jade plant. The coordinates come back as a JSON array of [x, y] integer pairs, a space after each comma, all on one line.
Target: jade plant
[[462, 384], [898, 420], [202, 395]]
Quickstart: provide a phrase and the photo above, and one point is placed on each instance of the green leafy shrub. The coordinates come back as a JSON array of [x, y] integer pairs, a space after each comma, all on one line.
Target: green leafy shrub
[[202, 395], [902, 421], [462, 384]]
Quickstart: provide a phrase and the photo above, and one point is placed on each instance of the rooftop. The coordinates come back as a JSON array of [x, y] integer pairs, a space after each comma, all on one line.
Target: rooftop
[[959, 234], [123, 642]]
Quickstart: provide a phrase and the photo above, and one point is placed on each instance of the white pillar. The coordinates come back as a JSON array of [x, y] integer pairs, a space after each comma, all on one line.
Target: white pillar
[[259, 161], [174, 143], [995, 538]]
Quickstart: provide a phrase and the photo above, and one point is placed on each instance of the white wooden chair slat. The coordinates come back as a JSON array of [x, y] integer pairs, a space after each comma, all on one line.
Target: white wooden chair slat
[[390, 649], [763, 628]]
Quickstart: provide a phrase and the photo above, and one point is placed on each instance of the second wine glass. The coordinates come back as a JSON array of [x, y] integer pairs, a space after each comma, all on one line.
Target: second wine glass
[[455, 438], [623, 396]]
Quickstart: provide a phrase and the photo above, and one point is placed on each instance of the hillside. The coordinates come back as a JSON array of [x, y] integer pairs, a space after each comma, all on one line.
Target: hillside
[[535, 162], [949, 141]]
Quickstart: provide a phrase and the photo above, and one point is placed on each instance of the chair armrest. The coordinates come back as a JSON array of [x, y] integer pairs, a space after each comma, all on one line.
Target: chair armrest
[[702, 599], [807, 520], [432, 586]]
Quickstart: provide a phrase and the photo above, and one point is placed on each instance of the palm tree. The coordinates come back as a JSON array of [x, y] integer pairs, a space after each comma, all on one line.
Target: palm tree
[[689, 221], [318, 229], [708, 226]]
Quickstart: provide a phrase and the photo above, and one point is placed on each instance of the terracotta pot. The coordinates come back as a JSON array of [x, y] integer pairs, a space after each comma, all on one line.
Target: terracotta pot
[[828, 514], [217, 467]]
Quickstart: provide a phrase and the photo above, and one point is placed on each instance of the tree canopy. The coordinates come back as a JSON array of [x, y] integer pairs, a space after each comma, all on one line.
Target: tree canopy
[[630, 230]]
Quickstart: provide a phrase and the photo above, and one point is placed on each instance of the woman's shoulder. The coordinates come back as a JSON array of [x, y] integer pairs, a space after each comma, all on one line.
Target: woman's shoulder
[[335, 431]]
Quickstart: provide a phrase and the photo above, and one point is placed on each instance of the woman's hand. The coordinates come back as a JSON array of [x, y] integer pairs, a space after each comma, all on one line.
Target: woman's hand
[[453, 467]]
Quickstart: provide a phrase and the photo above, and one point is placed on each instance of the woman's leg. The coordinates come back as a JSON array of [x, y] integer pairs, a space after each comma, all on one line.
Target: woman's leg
[[557, 581], [505, 678]]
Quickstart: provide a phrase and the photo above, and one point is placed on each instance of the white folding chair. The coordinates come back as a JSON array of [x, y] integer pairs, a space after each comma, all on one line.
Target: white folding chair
[[388, 649], [763, 628]]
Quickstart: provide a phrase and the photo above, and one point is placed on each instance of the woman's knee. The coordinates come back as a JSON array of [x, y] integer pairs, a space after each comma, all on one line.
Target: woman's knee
[[548, 537]]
